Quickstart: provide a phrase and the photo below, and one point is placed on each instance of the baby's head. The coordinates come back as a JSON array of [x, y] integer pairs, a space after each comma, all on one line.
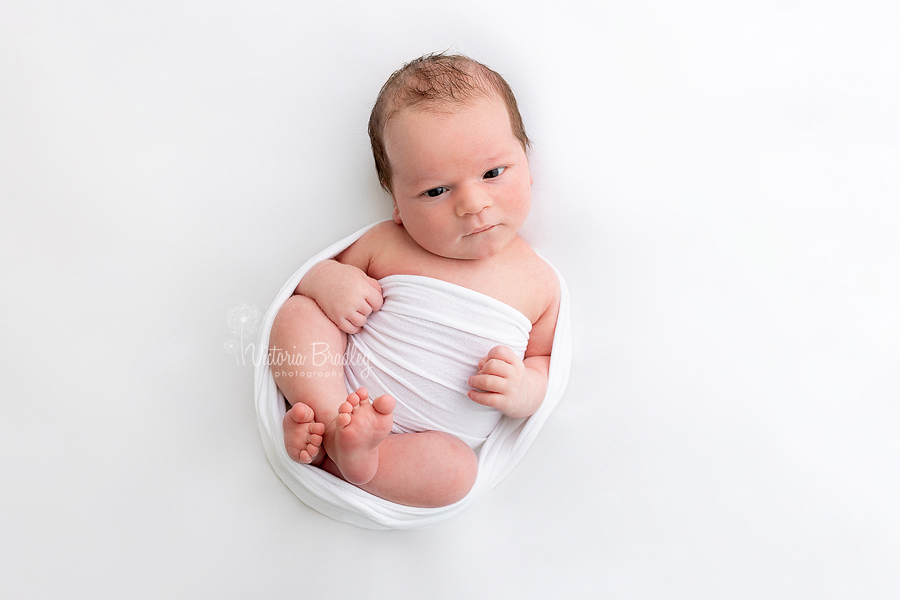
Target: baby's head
[[441, 83], [451, 150]]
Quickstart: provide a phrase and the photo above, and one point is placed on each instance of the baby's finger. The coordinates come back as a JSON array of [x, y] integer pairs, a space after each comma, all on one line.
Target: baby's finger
[[374, 283], [347, 327], [484, 398], [488, 383], [357, 319], [375, 296], [496, 367], [502, 353]]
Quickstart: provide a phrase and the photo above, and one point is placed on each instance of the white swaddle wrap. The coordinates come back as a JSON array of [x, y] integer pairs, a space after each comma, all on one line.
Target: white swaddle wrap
[[421, 348], [420, 380]]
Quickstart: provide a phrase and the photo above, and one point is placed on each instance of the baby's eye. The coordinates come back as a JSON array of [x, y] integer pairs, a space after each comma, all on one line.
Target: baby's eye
[[435, 192], [494, 172]]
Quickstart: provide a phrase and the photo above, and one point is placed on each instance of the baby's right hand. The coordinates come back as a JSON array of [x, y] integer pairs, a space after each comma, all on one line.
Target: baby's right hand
[[344, 293]]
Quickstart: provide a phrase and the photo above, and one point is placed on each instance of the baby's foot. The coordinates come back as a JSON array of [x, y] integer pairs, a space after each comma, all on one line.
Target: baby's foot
[[302, 435], [359, 428]]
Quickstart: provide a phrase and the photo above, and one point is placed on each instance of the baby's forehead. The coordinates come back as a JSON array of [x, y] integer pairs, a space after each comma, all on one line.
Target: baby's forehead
[[433, 117], [442, 106], [483, 122]]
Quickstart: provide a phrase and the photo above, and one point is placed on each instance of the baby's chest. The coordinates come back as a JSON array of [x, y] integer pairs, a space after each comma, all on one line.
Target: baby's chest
[[511, 280]]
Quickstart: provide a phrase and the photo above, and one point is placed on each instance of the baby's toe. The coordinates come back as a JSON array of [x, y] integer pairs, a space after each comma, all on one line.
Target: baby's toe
[[353, 400], [343, 418], [384, 404], [301, 413]]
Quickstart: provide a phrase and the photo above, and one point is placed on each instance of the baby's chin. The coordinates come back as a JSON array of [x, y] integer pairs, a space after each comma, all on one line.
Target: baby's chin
[[468, 251]]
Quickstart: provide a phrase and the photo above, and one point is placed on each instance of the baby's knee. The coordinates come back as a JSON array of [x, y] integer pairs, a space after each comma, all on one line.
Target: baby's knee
[[296, 308], [296, 316], [461, 471]]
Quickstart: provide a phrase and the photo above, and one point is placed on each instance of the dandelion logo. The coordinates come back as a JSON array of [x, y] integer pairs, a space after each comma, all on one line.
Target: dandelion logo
[[243, 321]]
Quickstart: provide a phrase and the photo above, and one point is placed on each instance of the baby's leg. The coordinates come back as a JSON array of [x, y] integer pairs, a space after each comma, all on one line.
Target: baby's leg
[[426, 469], [306, 351]]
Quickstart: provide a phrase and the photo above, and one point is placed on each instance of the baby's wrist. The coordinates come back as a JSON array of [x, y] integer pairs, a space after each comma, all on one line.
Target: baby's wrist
[[309, 284]]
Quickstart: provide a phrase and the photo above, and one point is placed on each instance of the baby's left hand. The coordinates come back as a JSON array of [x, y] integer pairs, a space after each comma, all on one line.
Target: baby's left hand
[[503, 379]]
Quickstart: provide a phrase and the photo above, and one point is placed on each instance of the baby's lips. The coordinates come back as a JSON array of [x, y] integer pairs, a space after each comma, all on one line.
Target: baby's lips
[[481, 229]]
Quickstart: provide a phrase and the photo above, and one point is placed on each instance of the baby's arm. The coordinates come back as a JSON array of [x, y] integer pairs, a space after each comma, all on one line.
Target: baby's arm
[[342, 289], [513, 386]]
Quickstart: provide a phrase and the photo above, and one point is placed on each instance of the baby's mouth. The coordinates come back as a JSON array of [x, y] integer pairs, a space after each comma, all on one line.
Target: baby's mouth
[[481, 229]]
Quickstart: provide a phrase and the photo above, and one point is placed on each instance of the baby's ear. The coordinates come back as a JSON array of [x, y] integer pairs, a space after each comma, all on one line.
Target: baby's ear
[[396, 215]]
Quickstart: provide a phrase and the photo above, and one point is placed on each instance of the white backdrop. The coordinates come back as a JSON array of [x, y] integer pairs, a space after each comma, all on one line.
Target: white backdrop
[[719, 184]]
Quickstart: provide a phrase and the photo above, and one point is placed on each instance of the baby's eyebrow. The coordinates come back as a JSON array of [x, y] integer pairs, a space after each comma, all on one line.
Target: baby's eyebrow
[[424, 181], [496, 158]]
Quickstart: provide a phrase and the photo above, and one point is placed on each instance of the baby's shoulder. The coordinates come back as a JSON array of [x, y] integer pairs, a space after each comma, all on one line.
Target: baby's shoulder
[[378, 233], [390, 250], [540, 278], [383, 235], [366, 248], [523, 280], [531, 266], [540, 294]]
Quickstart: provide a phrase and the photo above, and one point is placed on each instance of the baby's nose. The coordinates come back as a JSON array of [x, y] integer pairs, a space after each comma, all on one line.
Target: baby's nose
[[472, 202]]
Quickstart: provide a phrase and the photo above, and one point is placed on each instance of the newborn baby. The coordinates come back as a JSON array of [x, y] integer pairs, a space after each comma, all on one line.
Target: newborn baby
[[450, 148]]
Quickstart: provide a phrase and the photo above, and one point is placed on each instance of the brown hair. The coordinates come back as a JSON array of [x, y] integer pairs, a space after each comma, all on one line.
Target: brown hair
[[440, 81]]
